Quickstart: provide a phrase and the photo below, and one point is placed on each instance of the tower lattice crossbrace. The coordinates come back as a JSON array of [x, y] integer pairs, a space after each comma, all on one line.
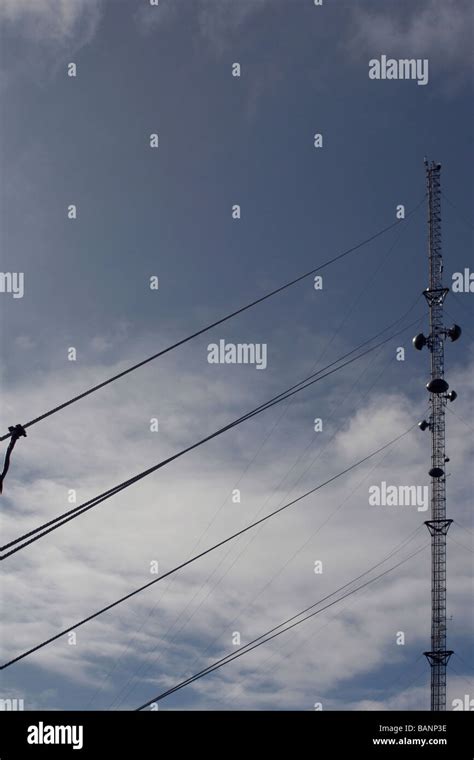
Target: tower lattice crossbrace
[[438, 524]]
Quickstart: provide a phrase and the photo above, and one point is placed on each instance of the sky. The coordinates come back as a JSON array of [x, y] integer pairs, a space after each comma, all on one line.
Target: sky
[[166, 212]]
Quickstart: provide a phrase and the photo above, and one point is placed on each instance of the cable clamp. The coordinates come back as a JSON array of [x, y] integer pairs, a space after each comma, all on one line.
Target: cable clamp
[[16, 432]]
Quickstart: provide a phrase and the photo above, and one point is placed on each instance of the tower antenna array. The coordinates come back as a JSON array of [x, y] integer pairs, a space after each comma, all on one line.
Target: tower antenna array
[[438, 525]]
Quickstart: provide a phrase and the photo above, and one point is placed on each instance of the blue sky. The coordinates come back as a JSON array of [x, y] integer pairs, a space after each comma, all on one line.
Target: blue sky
[[167, 212]]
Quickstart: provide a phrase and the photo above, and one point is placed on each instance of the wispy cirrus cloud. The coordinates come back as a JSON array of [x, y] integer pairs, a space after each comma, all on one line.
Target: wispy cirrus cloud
[[218, 23], [59, 21], [43, 32], [441, 31]]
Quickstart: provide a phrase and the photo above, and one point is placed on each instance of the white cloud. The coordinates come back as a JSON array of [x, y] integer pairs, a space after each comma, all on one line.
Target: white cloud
[[216, 22], [148, 18], [53, 20], [180, 625], [441, 31], [219, 22], [45, 35]]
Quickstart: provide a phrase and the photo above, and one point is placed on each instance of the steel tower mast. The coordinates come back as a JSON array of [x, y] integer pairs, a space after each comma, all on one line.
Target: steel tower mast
[[438, 525]]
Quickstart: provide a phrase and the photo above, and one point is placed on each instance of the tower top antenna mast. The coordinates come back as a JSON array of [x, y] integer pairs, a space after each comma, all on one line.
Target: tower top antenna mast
[[438, 525]]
